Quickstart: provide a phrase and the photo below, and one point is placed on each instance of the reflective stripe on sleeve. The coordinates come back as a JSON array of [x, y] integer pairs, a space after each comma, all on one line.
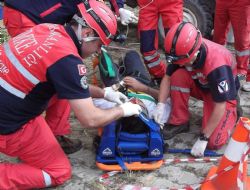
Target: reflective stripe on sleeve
[[177, 88], [235, 150], [11, 89], [47, 179], [19, 66]]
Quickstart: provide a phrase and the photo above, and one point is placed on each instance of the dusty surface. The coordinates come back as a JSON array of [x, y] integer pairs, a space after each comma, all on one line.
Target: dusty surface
[[86, 174]]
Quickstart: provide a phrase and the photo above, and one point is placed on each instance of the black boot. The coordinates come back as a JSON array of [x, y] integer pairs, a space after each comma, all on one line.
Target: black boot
[[68, 145], [170, 130]]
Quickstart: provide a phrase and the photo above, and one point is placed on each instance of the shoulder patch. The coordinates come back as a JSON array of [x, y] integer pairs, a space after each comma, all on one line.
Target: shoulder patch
[[84, 82], [223, 87]]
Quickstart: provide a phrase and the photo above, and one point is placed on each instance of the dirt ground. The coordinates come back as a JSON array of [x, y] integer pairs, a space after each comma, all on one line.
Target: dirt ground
[[86, 174]]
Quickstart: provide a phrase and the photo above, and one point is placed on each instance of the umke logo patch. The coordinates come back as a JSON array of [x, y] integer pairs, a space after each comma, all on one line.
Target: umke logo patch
[[223, 86]]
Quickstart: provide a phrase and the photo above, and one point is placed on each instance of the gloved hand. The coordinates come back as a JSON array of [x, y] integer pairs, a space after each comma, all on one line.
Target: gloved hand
[[113, 96], [158, 114], [130, 109], [127, 16], [199, 147]]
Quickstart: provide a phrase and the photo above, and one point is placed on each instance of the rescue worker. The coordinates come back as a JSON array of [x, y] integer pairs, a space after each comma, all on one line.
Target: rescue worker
[[36, 64], [24, 14], [149, 14], [238, 13], [204, 70]]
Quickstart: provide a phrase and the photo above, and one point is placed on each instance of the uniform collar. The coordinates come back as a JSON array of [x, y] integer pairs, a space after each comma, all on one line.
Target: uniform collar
[[73, 36], [200, 60]]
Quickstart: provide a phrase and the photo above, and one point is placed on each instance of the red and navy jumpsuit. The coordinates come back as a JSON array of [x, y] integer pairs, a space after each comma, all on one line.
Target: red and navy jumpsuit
[[211, 79], [33, 68], [238, 13], [23, 14], [149, 13]]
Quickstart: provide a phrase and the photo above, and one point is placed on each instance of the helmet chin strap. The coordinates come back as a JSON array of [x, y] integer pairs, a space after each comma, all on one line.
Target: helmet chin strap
[[79, 32], [89, 39], [195, 57], [80, 26], [85, 39]]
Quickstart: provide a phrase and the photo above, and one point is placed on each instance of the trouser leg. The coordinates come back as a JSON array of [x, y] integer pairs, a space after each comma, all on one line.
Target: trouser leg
[[43, 162]]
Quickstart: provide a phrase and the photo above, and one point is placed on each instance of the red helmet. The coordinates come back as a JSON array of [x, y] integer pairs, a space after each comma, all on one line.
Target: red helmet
[[182, 41], [99, 17]]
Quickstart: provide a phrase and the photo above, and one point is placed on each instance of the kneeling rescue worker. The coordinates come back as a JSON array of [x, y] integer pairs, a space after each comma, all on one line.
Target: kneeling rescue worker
[[204, 70], [36, 64], [21, 15]]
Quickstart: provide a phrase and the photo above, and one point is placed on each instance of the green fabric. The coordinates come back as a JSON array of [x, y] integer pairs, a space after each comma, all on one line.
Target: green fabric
[[110, 72], [141, 96]]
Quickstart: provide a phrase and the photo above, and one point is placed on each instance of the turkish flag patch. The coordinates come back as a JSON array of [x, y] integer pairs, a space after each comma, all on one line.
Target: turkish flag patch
[[82, 69]]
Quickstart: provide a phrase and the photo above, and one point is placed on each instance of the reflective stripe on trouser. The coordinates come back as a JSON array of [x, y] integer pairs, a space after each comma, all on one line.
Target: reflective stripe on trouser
[[16, 22], [57, 116], [155, 66], [236, 12], [171, 13], [242, 58], [181, 90], [43, 160]]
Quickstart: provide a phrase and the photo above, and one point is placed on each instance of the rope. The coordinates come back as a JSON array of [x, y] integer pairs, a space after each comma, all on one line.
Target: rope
[[187, 187], [107, 175], [134, 187], [191, 160]]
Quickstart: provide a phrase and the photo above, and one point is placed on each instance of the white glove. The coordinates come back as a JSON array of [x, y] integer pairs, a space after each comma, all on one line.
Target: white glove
[[158, 114], [130, 109], [127, 16], [113, 96], [199, 148]]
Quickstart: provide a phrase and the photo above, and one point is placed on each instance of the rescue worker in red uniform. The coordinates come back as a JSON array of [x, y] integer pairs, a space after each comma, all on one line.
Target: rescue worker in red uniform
[[149, 14], [36, 64], [204, 70], [24, 14], [238, 13]]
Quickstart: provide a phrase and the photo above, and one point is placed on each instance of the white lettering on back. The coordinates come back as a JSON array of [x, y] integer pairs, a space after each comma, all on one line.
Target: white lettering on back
[[24, 41], [44, 48]]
